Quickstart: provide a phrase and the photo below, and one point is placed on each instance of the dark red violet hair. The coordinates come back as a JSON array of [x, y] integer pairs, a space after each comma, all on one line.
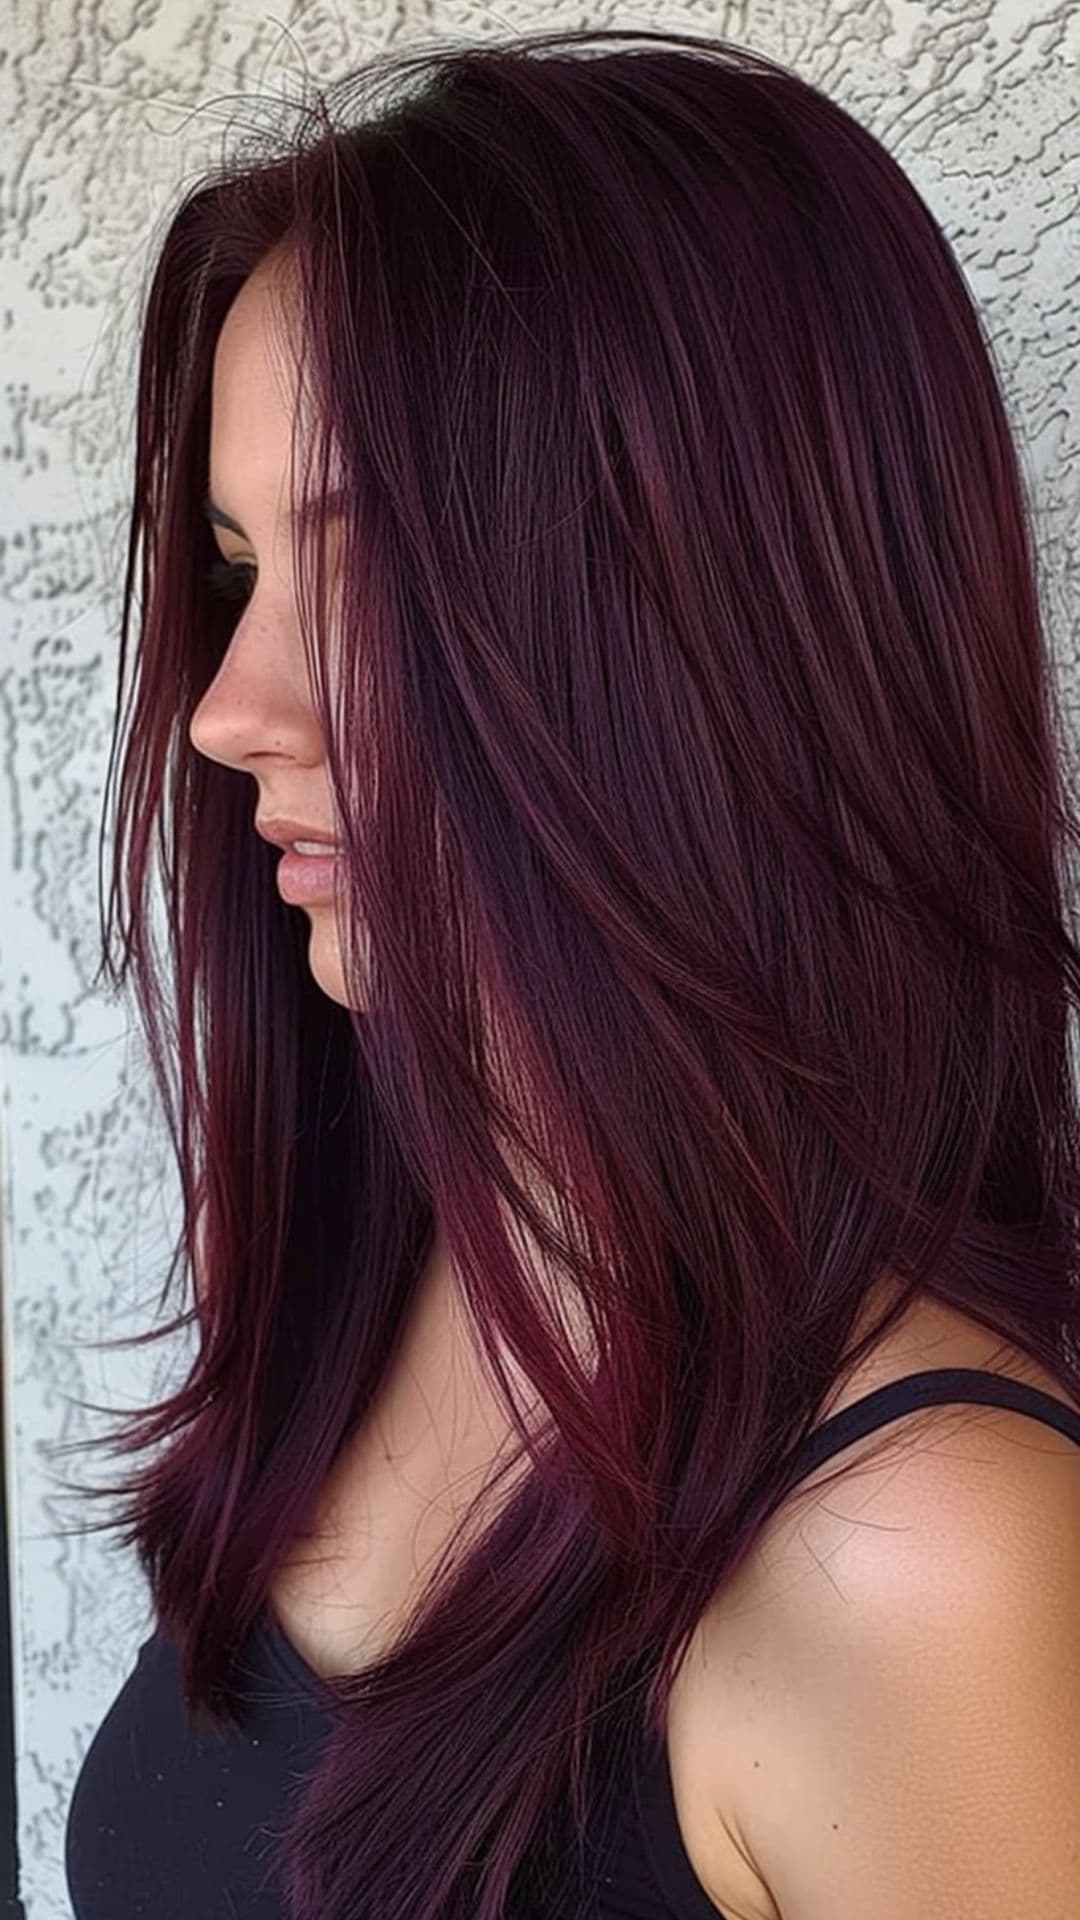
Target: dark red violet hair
[[694, 734]]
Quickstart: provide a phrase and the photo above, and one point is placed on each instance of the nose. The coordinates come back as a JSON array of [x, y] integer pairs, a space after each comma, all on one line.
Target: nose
[[259, 702]]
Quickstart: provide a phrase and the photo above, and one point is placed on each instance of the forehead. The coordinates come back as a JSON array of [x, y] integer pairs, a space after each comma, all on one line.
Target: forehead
[[253, 388], [254, 409]]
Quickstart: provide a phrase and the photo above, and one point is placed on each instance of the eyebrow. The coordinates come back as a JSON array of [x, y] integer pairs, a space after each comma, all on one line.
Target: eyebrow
[[323, 506], [221, 519]]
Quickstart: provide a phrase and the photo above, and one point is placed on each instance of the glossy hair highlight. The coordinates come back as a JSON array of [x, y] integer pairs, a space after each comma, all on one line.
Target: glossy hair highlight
[[690, 724]]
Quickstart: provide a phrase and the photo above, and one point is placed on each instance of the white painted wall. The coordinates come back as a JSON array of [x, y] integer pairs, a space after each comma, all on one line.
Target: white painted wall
[[108, 106]]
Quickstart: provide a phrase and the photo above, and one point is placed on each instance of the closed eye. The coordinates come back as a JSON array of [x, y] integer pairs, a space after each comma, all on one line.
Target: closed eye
[[232, 579]]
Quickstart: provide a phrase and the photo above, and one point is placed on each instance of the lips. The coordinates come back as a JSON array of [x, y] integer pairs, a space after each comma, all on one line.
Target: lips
[[285, 833], [308, 879]]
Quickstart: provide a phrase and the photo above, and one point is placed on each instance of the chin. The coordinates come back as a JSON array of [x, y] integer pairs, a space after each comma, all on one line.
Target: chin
[[324, 955], [334, 989]]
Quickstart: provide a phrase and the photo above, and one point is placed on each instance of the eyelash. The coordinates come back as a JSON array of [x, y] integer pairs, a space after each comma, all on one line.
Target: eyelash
[[232, 579]]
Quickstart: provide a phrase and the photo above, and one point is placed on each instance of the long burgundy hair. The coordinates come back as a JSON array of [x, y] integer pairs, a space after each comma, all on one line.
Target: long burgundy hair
[[691, 723]]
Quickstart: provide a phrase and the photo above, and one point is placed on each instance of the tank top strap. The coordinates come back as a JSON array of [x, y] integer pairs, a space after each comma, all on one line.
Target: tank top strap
[[934, 1387]]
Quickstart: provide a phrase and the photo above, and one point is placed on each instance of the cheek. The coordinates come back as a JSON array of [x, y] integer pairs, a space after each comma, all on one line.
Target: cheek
[[320, 648]]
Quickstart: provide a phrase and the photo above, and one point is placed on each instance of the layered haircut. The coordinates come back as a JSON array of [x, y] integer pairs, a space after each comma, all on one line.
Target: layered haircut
[[692, 731]]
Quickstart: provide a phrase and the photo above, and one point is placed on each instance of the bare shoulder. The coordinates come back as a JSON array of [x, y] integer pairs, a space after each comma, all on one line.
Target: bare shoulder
[[863, 1593]]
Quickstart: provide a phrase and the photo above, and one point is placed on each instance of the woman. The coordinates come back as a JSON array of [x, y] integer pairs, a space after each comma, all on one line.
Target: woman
[[576, 520]]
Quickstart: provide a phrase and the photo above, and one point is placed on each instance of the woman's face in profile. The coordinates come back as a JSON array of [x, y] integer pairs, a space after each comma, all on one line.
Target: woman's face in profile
[[257, 715]]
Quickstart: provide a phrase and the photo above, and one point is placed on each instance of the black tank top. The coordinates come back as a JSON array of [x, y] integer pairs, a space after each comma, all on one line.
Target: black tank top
[[172, 1826]]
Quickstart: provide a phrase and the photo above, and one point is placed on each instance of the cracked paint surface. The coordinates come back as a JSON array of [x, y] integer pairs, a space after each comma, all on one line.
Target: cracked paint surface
[[109, 106]]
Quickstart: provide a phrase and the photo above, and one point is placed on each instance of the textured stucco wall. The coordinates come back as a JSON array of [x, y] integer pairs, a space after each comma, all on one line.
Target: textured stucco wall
[[108, 107]]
